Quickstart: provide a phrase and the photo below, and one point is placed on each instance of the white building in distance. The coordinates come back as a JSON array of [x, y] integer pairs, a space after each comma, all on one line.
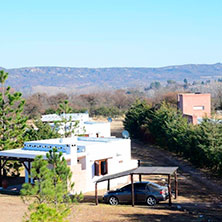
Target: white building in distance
[[86, 126]]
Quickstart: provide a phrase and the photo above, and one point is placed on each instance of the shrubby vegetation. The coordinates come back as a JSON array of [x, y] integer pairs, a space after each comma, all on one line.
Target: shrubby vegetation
[[201, 144], [104, 103], [116, 103], [107, 111]]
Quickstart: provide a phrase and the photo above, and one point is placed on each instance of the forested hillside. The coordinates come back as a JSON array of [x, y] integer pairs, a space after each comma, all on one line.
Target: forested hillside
[[57, 79]]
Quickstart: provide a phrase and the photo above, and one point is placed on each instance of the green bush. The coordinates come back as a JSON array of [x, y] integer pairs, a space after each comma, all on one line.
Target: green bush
[[45, 213]]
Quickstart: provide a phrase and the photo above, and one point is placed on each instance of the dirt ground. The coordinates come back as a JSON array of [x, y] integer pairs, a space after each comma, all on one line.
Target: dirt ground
[[200, 197]]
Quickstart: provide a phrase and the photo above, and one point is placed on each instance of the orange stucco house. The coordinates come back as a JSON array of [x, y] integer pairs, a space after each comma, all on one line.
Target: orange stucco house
[[194, 106]]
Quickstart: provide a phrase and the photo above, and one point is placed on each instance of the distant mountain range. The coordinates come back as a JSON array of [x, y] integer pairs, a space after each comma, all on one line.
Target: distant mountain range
[[65, 79]]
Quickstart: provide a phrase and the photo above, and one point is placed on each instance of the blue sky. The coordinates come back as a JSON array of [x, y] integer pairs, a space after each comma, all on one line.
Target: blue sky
[[110, 33]]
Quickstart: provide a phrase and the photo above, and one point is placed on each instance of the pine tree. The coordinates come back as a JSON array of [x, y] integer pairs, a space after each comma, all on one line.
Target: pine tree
[[41, 132], [210, 144], [135, 118], [61, 176], [49, 198], [12, 122], [67, 123]]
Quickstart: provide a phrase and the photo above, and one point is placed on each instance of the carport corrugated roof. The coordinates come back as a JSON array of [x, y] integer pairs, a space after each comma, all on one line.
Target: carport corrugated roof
[[160, 170], [157, 170]]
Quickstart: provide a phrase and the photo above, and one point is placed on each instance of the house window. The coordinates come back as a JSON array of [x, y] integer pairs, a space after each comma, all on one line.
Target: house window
[[101, 167], [198, 108]]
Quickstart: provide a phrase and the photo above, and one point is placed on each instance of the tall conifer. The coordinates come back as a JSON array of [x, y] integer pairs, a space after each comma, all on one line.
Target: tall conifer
[[12, 122]]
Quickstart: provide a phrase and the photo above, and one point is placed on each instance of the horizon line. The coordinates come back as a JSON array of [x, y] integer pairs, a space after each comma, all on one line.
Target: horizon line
[[110, 67]]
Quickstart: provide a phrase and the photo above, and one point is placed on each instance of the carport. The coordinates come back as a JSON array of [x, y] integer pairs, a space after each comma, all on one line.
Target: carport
[[25, 161], [157, 170], [26, 157]]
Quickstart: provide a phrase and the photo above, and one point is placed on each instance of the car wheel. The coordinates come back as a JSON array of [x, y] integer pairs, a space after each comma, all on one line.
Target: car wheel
[[151, 201], [113, 201]]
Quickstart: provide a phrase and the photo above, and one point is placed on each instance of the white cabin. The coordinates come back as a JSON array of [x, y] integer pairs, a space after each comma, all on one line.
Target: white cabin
[[89, 158]]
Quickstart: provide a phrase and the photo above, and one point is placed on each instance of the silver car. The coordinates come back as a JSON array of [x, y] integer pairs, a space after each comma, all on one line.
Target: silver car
[[145, 192]]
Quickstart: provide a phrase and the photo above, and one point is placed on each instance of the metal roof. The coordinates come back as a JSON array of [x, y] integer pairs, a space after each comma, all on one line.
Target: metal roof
[[161, 170], [158, 170]]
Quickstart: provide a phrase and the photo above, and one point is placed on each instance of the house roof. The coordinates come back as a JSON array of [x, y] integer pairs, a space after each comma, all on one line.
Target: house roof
[[67, 116], [32, 149], [28, 154], [95, 123], [158, 170]]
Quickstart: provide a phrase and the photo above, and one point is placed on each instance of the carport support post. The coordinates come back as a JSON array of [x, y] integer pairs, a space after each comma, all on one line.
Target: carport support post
[[96, 196], [132, 191], [108, 185], [139, 163], [169, 189], [0, 172], [29, 168], [176, 185]]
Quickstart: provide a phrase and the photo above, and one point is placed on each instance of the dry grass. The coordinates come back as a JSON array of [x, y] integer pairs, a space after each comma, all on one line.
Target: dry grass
[[90, 212], [11, 208]]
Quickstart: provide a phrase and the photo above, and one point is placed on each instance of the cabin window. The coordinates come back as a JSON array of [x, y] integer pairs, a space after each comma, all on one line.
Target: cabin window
[[198, 108], [101, 167]]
